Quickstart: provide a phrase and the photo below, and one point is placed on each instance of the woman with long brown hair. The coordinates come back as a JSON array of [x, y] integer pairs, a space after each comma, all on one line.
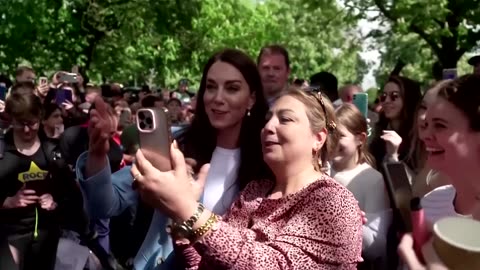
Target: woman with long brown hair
[[391, 138]]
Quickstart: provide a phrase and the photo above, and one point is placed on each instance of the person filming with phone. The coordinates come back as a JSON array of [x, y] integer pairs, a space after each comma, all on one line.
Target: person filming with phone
[[34, 187]]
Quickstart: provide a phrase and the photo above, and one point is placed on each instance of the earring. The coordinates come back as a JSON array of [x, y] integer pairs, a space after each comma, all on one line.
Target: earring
[[248, 112]]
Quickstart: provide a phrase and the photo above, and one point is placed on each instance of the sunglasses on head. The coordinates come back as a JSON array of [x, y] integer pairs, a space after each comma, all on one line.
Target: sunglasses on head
[[393, 96], [316, 92]]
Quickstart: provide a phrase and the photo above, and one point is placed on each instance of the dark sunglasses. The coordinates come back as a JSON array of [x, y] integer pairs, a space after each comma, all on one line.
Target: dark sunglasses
[[316, 92], [393, 96], [22, 125]]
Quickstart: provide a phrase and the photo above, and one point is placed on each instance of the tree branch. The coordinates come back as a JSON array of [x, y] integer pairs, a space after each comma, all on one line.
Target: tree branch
[[426, 37], [383, 9], [470, 42], [413, 27]]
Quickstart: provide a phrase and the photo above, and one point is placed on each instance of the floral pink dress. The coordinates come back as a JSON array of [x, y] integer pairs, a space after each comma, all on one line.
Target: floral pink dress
[[319, 227]]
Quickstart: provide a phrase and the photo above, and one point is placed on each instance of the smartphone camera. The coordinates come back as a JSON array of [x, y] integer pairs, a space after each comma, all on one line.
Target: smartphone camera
[[145, 120]]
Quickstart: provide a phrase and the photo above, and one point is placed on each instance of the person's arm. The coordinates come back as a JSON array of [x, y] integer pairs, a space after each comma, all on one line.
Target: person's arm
[[312, 238], [107, 194], [378, 213]]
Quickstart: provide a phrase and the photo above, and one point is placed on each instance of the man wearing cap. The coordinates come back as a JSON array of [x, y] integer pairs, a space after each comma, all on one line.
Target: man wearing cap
[[475, 62]]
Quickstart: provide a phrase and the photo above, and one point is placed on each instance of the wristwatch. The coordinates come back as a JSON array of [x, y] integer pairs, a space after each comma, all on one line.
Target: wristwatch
[[185, 229]]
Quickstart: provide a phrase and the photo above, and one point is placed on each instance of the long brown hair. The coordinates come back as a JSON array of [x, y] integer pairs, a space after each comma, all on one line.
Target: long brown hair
[[352, 119], [411, 96], [201, 139], [321, 115], [417, 155], [463, 93]]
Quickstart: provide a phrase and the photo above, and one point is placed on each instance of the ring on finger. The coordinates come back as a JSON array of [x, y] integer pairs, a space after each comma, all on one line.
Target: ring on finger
[[136, 176]]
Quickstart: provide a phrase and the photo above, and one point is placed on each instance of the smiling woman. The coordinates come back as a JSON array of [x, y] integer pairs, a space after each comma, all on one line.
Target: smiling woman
[[299, 219], [452, 139], [225, 132], [453, 144], [392, 132]]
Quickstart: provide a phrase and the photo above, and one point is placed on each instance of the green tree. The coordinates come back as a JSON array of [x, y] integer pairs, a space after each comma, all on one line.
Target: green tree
[[449, 28], [162, 41]]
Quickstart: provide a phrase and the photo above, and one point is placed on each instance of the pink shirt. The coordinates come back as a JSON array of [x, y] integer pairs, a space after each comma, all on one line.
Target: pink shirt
[[319, 227]]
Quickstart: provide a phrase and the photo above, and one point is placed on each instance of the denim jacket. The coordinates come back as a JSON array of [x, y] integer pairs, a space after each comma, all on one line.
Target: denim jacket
[[108, 195]]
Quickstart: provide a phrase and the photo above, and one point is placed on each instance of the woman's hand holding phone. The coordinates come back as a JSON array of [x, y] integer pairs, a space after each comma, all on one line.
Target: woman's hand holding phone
[[43, 87], [172, 192], [67, 105]]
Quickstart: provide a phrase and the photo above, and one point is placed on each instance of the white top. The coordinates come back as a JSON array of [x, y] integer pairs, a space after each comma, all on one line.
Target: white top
[[368, 187], [220, 189], [438, 204]]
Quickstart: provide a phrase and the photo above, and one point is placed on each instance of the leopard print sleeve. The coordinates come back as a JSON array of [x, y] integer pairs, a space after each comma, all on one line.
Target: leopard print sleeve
[[316, 228]]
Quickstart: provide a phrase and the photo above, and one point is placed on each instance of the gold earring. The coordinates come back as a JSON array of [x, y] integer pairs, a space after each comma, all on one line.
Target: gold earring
[[248, 112]]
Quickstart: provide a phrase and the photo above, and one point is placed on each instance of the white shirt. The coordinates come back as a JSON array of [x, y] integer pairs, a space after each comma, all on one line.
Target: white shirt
[[368, 187], [220, 188], [438, 204]]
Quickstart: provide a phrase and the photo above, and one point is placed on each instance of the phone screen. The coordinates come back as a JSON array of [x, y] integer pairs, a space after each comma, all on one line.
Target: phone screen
[[399, 189], [68, 78], [68, 95], [360, 100], [63, 95], [43, 80], [3, 92], [450, 74]]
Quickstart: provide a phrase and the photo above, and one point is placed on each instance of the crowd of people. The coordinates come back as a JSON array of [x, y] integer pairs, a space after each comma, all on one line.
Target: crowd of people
[[268, 172]]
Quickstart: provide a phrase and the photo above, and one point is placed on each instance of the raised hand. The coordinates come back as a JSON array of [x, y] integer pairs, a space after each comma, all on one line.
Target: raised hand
[[102, 126], [393, 141], [42, 90]]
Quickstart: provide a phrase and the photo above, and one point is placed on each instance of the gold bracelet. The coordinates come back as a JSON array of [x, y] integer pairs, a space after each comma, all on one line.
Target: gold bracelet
[[185, 229], [212, 220]]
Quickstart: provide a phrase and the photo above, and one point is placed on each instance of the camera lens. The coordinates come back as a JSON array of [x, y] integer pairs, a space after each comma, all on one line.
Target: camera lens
[[142, 125], [141, 115], [149, 121]]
